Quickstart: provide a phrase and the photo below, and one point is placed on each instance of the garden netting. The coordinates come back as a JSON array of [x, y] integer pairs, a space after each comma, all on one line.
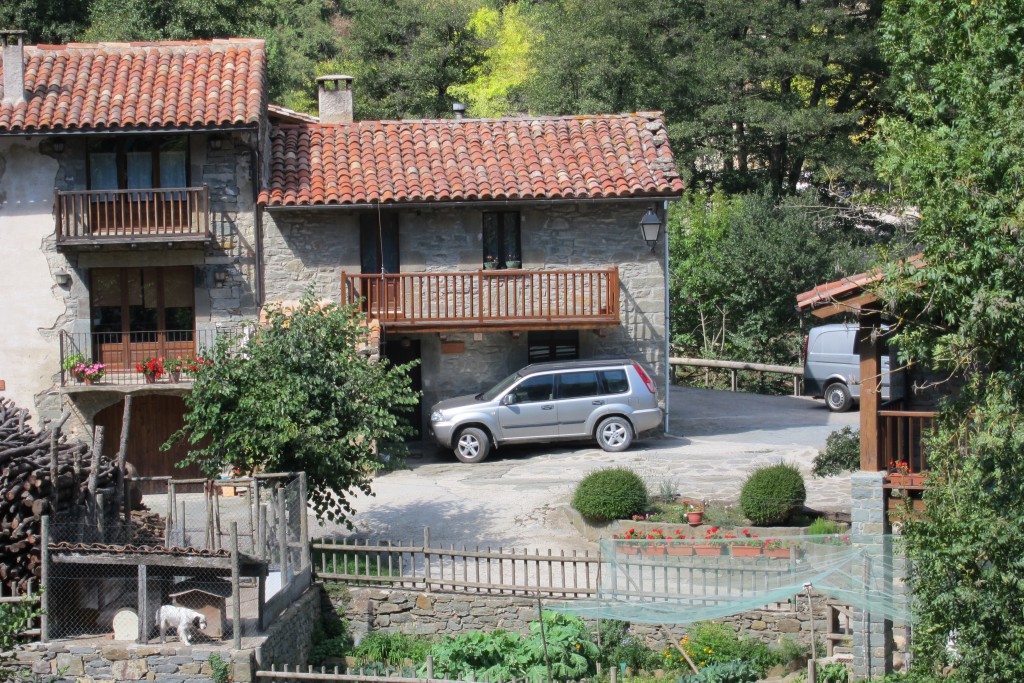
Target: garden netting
[[683, 581]]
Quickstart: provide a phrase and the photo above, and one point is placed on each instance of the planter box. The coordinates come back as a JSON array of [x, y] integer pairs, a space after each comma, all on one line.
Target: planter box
[[680, 549], [654, 551], [915, 480], [745, 550], [782, 553], [627, 549], [708, 550]]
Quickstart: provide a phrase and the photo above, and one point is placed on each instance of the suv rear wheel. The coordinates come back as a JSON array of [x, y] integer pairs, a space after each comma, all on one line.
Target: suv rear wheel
[[614, 434], [472, 445], [838, 398]]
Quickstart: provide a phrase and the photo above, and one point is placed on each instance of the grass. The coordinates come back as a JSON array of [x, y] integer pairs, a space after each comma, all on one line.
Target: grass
[[344, 561]]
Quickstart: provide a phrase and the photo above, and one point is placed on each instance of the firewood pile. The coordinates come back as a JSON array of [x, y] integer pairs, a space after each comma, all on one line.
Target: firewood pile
[[40, 473]]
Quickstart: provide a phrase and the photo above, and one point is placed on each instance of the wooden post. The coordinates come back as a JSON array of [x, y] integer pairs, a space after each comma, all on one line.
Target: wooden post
[[426, 555], [44, 578], [143, 606], [732, 379], [54, 438], [236, 602], [101, 517], [306, 559], [869, 345], [123, 498], [169, 522], [261, 551], [215, 492]]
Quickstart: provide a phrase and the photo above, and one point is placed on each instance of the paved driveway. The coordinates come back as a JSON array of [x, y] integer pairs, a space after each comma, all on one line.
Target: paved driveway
[[514, 498]]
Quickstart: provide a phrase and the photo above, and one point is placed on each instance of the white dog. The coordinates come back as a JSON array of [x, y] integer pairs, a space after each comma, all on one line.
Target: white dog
[[180, 618]]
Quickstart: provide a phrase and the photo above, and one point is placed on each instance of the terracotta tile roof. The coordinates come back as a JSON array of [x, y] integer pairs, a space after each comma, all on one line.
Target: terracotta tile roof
[[110, 86], [394, 162], [847, 288], [279, 114]]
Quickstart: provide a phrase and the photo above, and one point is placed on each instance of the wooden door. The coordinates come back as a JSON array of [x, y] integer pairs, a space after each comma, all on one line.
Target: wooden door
[[154, 419]]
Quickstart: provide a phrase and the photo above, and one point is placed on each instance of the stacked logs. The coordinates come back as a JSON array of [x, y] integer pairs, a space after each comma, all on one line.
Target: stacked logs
[[41, 472]]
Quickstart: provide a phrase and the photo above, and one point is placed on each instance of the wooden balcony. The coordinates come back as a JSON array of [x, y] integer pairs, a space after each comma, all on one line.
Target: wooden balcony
[[488, 300], [902, 434], [120, 217]]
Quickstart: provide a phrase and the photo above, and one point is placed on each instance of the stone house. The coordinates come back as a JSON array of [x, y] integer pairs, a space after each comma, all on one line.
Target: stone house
[[128, 186], [479, 245], [151, 198]]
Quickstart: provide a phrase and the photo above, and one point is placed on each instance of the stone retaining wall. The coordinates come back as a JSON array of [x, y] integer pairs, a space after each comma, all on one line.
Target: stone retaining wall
[[415, 613], [289, 639]]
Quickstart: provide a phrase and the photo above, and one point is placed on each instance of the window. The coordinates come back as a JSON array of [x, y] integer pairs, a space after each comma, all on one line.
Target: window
[[553, 345], [577, 384], [378, 242], [535, 389], [615, 381], [143, 302], [501, 240], [138, 163]]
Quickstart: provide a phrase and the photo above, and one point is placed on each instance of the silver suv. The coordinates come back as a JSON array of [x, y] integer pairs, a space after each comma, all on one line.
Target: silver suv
[[610, 400]]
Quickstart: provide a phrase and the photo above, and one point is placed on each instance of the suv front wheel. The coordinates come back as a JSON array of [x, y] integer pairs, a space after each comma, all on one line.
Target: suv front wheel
[[472, 445], [614, 434], [838, 398]]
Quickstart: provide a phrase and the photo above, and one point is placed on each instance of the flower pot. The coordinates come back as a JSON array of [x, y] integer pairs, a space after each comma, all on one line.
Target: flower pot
[[782, 553], [627, 549], [88, 381], [745, 550], [175, 375], [708, 550], [513, 264], [680, 549], [150, 379], [490, 265], [654, 551], [695, 518], [910, 480]]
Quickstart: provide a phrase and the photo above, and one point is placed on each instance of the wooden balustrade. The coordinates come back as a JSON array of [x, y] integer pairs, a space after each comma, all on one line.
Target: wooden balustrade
[[119, 216], [902, 435], [487, 299]]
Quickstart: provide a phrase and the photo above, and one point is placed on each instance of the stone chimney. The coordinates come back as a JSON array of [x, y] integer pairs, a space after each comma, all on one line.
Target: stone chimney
[[335, 93], [13, 45]]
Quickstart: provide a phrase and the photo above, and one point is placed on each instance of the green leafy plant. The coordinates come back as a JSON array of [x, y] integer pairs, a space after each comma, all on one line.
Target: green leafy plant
[[300, 398], [771, 494], [841, 454], [15, 619], [220, 669], [734, 671], [391, 648], [619, 646], [72, 360], [612, 493], [832, 672], [824, 527]]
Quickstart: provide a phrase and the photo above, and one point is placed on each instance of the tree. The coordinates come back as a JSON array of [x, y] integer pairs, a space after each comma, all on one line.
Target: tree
[[407, 54], [299, 396], [954, 152], [46, 21], [736, 262]]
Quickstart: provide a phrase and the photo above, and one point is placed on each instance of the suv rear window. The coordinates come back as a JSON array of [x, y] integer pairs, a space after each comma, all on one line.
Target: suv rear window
[[577, 384], [615, 381]]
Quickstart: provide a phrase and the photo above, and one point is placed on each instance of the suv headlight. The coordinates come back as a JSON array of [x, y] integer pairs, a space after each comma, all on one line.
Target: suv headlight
[[436, 416]]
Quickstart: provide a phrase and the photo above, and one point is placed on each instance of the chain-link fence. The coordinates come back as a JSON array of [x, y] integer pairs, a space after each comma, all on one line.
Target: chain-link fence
[[204, 560]]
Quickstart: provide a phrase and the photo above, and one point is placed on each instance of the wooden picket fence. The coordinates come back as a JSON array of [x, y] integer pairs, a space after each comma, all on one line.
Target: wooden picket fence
[[479, 570]]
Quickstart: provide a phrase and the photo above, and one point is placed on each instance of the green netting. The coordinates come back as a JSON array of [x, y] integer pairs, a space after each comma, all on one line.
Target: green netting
[[684, 581]]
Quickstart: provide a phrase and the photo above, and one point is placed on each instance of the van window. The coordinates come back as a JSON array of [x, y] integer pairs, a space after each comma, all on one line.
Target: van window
[[615, 381], [535, 389], [577, 384]]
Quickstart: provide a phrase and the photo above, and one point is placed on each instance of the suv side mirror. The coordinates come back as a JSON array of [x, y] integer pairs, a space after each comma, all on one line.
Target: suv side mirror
[[508, 399]]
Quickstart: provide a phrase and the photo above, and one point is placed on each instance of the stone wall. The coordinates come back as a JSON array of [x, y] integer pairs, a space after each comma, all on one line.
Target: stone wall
[[168, 663], [415, 613], [872, 634], [289, 639], [312, 247]]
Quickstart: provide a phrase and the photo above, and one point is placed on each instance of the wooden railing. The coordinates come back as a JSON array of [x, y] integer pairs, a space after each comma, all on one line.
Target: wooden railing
[[113, 216], [901, 434], [501, 571], [487, 299]]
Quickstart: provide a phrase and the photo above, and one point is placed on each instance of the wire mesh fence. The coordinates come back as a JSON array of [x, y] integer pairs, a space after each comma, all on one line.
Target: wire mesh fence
[[203, 561]]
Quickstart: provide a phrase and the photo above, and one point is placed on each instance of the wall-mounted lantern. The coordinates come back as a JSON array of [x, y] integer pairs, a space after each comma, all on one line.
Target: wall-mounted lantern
[[650, 226]]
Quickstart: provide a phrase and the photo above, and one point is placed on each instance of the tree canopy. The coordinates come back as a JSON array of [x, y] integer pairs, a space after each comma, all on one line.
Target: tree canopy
[[954, 151], [297, 395]]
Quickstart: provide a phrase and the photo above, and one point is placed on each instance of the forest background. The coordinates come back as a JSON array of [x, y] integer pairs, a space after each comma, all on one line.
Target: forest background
[[770, 107]]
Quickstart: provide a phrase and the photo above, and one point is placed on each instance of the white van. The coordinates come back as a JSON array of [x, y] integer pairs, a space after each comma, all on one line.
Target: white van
[[832, 367]]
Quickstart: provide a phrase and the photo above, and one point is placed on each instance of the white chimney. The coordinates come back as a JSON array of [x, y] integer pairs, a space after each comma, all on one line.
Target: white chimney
[[13, 44], [335, 93]]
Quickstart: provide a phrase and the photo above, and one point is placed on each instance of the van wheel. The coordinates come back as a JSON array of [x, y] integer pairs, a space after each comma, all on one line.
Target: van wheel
[[614, 434], [837, 397], [473, 445]]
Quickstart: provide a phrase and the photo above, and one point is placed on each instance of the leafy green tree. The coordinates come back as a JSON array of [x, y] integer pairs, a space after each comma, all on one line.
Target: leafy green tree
[[299, 396], [735, 263], [956, 154], [407, 54], [47, 22]]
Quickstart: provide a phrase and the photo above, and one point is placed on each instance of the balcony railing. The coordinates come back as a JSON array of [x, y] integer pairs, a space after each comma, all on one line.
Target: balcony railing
[[902, 439], [488, 299], [121, 352], [126, 216]]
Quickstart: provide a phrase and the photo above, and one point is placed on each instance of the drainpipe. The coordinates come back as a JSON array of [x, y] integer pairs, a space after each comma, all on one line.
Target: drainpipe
[[668, 339]]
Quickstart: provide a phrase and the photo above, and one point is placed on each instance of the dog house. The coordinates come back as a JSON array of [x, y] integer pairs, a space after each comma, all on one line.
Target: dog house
[[209, 598]]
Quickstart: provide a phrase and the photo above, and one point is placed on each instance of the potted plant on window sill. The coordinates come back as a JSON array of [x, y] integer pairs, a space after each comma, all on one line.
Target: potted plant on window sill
[[152, 369], [175, 367], [513, 261], [490, 263], [86, 371]]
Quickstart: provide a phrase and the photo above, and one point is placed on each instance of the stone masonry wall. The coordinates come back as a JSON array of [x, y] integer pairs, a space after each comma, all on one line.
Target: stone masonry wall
[[414, 613], [307, 247], [289, 639], [872, 634]]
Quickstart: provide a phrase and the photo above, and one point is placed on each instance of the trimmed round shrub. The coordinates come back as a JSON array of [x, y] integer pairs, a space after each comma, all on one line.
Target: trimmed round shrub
[[771, 494], [613, 493]]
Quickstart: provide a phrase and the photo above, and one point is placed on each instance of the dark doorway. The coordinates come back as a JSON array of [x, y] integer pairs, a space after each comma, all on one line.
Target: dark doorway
[[398, 352], [154, 419], [378, 255]]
